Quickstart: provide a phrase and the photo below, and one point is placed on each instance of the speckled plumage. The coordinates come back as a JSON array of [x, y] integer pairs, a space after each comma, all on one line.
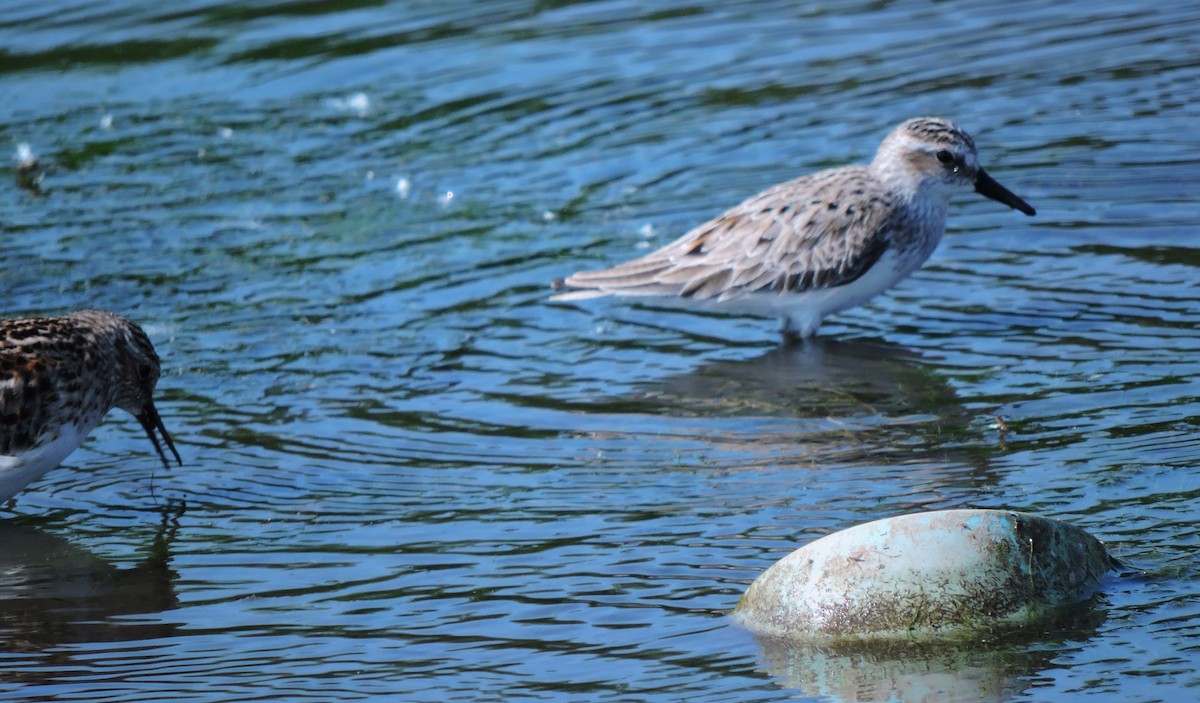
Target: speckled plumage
[[59, 377], [818, 244]]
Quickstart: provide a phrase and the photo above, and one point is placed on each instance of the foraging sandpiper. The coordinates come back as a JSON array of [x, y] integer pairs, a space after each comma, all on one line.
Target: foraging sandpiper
[[59, 376]]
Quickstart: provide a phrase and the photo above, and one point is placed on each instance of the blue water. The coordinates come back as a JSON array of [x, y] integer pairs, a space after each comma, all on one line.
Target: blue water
[[409, 477]]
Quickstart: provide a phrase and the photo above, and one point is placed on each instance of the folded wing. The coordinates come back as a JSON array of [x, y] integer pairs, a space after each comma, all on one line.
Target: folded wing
[[815, 232]]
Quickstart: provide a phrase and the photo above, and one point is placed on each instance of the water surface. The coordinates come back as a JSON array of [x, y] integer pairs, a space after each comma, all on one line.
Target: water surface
[[409, 477]]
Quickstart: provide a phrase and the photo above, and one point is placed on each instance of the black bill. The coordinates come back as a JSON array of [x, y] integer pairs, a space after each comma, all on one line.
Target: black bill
[[987, 186], [152, 422]]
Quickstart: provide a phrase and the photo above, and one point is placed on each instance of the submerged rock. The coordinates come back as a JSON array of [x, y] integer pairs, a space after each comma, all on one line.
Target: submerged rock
[[926, 575]]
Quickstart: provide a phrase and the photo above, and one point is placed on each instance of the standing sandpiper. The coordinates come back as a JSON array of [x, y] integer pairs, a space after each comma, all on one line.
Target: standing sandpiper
[[816, 245], [59, 376]]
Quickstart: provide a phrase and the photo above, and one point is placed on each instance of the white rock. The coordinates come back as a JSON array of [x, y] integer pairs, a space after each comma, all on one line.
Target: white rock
[[925, 575]]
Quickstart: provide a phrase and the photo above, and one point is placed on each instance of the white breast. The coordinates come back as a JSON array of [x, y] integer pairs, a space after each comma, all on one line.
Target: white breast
[[19, 470], [806, 310]]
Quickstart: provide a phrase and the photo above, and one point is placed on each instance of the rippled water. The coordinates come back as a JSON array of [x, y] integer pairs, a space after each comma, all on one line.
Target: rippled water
[[409, 477]]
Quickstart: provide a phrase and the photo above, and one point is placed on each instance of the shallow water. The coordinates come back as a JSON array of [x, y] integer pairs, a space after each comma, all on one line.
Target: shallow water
[[409, 477]]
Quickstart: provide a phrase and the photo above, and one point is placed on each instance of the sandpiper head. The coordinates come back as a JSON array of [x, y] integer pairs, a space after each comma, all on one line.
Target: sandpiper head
[[136, 376], [935, 153]]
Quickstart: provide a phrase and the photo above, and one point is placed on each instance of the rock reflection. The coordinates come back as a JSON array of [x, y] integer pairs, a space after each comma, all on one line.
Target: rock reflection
[[948, 672]]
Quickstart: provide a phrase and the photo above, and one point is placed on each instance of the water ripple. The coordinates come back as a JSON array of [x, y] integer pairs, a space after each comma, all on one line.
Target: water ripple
[[408, 476]]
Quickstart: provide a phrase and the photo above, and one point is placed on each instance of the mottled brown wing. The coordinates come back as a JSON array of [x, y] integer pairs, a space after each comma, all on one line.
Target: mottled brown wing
[[27, 392], [814, 232], [27, 389]]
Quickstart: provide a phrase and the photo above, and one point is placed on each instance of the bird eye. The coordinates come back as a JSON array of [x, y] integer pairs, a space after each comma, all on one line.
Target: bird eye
[[144, 371], [945, 157]]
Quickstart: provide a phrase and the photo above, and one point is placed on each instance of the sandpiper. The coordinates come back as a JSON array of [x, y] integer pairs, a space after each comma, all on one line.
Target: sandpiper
[[818, 244], [59, 376]]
